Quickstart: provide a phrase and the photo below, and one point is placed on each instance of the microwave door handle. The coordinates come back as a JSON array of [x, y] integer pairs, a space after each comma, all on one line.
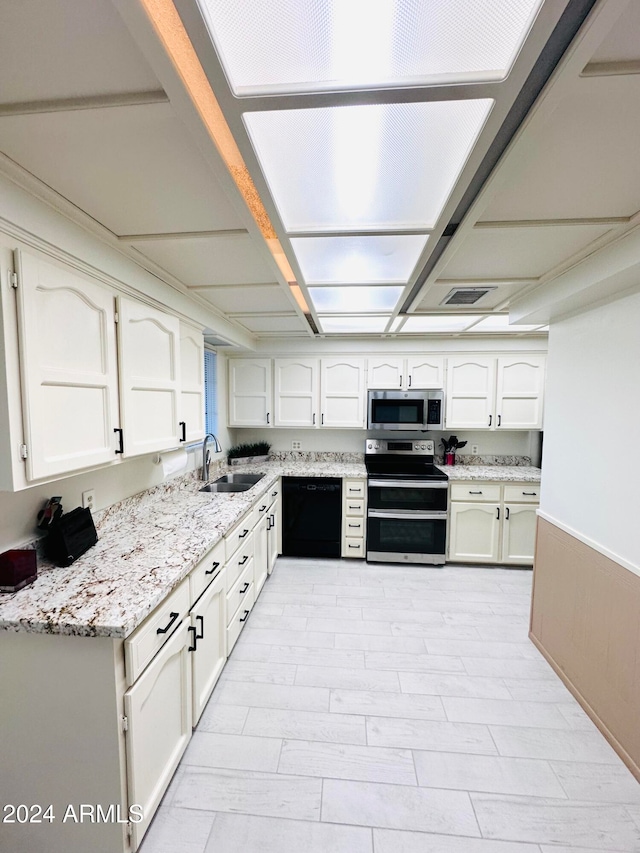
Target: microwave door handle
[[405, 484]]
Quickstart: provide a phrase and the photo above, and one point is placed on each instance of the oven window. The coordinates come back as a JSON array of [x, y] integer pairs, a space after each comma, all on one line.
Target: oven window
[[407, 497], [397, 411], [406, 535]]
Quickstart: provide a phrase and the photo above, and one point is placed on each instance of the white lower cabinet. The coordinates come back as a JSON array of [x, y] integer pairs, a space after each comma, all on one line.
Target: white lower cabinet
[[261, 553], [159, 722], [208, 647], [493, 522], [354, 499], [274, 539]]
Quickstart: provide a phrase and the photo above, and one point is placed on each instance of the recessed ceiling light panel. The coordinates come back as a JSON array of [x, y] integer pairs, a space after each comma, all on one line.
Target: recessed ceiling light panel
[[440, 323], [358, 260], [365, 167], [351, 324], [355, 300], [286, 46]]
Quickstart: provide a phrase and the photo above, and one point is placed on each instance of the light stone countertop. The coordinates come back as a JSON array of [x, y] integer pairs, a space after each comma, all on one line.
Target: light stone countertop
[[148, 543]]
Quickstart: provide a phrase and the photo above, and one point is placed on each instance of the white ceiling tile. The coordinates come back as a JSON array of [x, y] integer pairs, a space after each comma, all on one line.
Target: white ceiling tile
[[622, 44], [500, 323], [271, 46], [584, 162], [365, 167], [265, 323], [59, 50], [134, 169], [357, 299], [203, 261], [519, 252], [358, 260], [263, 298]]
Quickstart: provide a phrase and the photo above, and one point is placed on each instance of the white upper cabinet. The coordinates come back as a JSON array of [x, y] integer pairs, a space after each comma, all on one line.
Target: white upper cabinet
[[296, 392], [149, 362], [418, 372], [342, 391], [191, 420], [520, 386], [250, 392], [495, 393], [471, 387], [66, 330]]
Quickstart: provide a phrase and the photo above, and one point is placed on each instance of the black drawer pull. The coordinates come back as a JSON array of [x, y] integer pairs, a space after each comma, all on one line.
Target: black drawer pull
[[351, 506], [200, 636], [490, 419], [507, 513], [354, 546], [245, 588], [474, 493], [243, 534], [268, 522], [262, 508], [353, 490], [183, 428], [273, 520], [214, 566], [499, 420], [246, 613], [273, 494], [120, 441], [498, 517], [195, 639], [243, 560], [173, 616], [354, 525], [530, 493]]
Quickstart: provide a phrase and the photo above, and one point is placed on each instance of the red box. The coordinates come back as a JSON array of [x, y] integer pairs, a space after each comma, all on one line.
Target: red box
[[17, 569]]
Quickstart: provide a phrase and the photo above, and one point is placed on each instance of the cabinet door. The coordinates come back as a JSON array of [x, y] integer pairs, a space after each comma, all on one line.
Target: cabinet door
[[296, 392], [149, 362], [471, 387], [342, 390], [261, 555], [209, 619], [518, 534], [425, 372], [191, 383], [474, 535], [158, 710], [519, 392], [250, 392], [66, 327], [385, 373]]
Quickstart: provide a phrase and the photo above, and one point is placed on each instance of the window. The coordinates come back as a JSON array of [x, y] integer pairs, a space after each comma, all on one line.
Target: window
[[210, 392]]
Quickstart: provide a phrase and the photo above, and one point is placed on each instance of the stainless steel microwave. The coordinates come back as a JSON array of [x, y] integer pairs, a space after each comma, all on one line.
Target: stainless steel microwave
[[405, 410]]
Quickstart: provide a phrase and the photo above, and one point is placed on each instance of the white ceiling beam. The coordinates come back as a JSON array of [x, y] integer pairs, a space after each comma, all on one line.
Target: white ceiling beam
[[94, 102], [183, 235], [551, 223], [611, 69]]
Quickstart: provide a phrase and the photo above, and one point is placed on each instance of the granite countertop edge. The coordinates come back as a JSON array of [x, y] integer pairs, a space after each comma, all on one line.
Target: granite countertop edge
[[149, 543]]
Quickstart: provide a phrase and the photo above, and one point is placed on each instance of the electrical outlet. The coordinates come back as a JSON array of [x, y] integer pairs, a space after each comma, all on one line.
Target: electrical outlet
[[474, 449], [89, 499], [296, 445]]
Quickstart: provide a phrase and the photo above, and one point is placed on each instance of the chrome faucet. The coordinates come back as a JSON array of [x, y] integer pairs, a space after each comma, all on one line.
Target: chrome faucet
[[206, 455]]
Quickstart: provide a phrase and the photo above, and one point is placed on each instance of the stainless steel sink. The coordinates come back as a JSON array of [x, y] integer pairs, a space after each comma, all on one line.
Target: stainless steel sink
[[233, 483], [251, 479]]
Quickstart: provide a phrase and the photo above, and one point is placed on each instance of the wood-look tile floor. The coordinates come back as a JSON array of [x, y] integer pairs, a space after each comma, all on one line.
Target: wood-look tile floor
[[388, 709]]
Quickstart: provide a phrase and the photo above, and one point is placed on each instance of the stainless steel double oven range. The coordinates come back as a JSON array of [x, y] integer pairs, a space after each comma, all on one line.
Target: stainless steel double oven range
[[407, 502]]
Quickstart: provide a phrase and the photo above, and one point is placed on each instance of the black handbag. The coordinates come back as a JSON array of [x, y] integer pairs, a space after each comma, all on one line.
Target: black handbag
[[70, 536]]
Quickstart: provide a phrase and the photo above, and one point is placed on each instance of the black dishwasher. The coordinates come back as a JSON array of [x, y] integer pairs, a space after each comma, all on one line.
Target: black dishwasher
[[311, 516]]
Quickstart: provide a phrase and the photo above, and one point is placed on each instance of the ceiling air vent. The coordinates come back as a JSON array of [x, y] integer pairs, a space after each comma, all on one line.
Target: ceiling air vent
[[465, 295]]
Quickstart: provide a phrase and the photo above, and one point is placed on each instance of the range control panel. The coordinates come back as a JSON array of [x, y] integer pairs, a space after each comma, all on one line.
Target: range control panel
[[422, 447]]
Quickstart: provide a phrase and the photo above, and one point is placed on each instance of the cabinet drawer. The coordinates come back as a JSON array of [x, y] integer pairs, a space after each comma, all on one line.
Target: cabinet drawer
[[354, 506], [525, 493], [240, 532], [237, 623], [353, 547], [207, 569], [240, 591], [354, 527], [237, 563], [156, 629], [354, 489], [475, 492]]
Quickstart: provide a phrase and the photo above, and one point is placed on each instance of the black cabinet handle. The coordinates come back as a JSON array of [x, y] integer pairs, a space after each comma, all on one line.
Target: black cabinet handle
[[243, 560], [200, 636], [490, 419], [400, 381], [354, 546], [351, 506], [183, 428], [354, 525], [498, 513], [213, 568], [244, 618], [244, 588], [353, 490], [243, 534], [409, 380], [474, 493], [195, 639], [273, 520], [262, 508], [268, 522], [322, 420], [530, 493], [273, 494], [173, 616], [314, 418], [120, 440], [507, 513], [499, 419], [267, 417]]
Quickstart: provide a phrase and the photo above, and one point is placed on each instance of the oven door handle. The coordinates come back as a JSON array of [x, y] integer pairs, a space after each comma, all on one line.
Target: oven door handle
[[411, 515], [409, 484]]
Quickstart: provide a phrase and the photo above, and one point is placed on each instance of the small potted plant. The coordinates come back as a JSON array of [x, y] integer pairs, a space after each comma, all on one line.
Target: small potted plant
[[242, 454], [450, 446]]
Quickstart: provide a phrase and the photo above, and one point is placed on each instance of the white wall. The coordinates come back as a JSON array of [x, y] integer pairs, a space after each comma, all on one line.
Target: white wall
[[591, 464]]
